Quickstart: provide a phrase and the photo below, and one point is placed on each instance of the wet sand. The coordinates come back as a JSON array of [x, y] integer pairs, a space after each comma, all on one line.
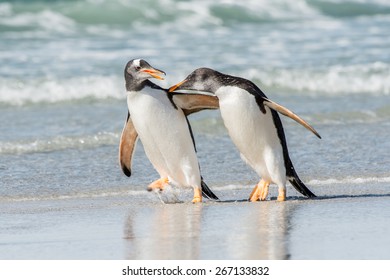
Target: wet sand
[[344, 222]]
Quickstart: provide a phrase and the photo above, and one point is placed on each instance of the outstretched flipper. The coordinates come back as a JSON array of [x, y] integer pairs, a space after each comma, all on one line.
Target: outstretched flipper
[[192, 103], [284, 111], [127, 145]]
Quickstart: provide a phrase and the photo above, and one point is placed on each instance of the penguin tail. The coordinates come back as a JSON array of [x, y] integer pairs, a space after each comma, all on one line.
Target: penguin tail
[[207, 192], [299, 185]]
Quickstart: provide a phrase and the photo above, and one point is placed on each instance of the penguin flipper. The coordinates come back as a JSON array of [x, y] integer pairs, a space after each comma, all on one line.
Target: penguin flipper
[[207, 192], [192, 103], [284, 111], [127, 145], [300, 187], [293, 178]]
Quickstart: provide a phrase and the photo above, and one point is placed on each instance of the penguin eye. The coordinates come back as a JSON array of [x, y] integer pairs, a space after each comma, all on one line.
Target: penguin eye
[[137, 68]]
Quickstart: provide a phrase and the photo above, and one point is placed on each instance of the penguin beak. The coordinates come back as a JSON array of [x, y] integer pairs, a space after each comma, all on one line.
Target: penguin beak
[[175, 87], [155, 73]]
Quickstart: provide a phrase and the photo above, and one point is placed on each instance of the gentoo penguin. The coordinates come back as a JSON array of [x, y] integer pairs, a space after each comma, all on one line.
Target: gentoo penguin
[[254, 127], [159, 119]]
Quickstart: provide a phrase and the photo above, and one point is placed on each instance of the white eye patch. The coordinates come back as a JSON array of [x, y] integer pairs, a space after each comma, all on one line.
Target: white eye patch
[[137, 62]]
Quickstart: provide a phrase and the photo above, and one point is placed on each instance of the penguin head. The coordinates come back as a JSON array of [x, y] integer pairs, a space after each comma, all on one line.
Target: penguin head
[[201, 79], [138, 70]]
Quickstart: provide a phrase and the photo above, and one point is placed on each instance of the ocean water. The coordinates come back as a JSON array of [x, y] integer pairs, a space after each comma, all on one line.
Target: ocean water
[[63, 101]]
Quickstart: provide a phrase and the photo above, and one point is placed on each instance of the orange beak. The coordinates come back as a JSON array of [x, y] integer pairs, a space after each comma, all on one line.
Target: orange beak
[[173, 88], [154, 73]]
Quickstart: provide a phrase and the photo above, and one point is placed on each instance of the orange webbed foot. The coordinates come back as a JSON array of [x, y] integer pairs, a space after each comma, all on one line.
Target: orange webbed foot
[[260, 191], [158, 184]]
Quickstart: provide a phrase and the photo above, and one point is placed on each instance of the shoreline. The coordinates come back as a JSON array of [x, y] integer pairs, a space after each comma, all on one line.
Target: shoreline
[[342, 223]]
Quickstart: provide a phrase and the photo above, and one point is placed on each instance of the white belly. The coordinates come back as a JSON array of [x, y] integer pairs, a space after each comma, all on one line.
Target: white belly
[[164, 133], [253, 132]]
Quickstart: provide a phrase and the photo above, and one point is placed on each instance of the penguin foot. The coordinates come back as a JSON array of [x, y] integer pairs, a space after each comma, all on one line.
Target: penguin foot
[[197, 200], [197, 195], [158, 184], [264, 191], [254, 196], [260, 192], [282, 195]]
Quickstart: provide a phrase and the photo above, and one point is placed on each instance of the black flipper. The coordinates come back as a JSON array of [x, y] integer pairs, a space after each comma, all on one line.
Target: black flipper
[[292, 176], [299, 185], [206, 192]]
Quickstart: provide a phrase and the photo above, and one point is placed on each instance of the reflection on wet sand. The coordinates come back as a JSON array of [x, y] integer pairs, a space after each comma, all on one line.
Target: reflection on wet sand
[[236, 230], [169, 231]]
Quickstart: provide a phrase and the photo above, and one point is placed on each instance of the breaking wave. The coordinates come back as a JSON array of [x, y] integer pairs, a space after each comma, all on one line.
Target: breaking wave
[[372, 79], [22, 92], [70, 16]]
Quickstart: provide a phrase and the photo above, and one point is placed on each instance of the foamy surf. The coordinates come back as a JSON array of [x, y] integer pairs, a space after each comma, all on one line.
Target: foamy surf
[[372, 78], [313, 182], [349, 181], [68, 17], [58, 143], [173, 195], [40, 91], [74, 196]]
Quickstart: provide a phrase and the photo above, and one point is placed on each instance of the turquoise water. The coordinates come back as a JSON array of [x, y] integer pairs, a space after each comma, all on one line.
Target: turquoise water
[[62, 95]]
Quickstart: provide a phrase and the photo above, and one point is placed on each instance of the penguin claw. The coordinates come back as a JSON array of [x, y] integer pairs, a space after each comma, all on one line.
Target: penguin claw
[[158, 184], [260, 191], [197, 200], [264, 191], [254, 196]]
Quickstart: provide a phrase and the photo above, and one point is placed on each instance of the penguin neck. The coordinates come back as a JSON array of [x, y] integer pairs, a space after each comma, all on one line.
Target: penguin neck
[[223, 80], [232, 81], [133, 85]]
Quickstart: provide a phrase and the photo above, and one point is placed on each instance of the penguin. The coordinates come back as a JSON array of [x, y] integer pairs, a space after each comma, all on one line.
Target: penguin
[[159, 119], [255, 128]]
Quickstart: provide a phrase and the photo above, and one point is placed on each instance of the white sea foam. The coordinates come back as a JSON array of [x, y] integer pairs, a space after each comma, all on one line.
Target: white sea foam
[[5, 9], [80, 195], [21, 92], [45, 20], [205, 13], [372, 78], [350, 180], [58, 143], [69, 17], [174, 196], [316, 182]]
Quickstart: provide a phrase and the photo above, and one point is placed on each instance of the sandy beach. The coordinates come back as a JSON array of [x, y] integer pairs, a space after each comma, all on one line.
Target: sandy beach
[[348, 222]]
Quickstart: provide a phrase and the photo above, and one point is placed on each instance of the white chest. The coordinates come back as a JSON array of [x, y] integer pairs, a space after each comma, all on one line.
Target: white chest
[[154, 116], [250, 129]]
